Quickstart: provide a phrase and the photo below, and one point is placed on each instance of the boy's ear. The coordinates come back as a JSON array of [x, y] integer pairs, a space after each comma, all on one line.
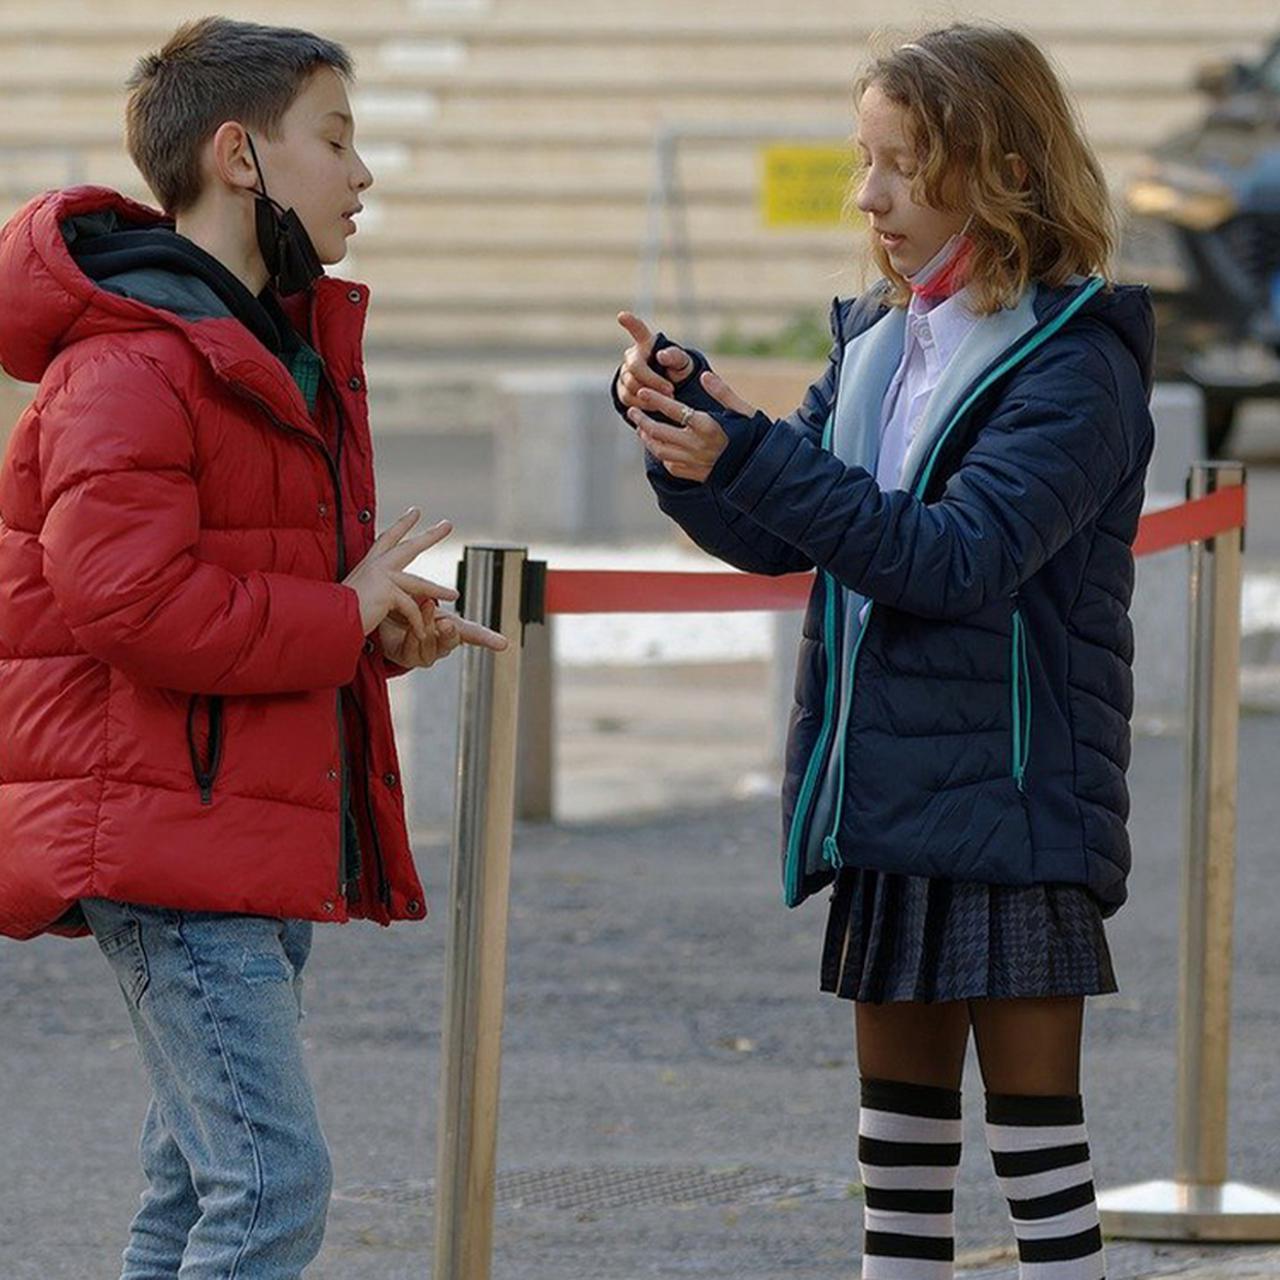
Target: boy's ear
[[232, 162]]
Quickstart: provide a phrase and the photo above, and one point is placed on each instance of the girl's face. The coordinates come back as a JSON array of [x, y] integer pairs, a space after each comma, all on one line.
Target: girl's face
[[910, 233]]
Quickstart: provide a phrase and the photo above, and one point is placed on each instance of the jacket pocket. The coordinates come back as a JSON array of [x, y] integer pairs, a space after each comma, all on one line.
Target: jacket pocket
[[1019, 697], [204, 766]]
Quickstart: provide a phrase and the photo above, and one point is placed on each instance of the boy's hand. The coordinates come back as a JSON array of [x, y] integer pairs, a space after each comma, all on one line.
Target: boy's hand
[[385, 588], [636, 372], [445, 632], [688, 452]]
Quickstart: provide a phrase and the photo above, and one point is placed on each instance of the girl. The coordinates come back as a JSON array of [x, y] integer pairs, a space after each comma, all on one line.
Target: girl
[[967, 478]]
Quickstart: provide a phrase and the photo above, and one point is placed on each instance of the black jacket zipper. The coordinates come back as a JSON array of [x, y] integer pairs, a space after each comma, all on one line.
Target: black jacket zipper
[[336, 478], [205, 772], [384, 887]]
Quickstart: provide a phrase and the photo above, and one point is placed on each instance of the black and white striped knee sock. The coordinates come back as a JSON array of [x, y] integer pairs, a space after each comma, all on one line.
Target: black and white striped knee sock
[[909, 1155], [1041, 1155]]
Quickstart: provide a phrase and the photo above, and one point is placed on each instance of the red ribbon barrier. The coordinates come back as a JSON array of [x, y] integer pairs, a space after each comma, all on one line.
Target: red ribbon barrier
[[1191, 521], [639, 591]]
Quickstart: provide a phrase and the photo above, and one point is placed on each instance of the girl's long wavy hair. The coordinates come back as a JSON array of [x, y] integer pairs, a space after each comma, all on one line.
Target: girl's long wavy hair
[[974, 94]]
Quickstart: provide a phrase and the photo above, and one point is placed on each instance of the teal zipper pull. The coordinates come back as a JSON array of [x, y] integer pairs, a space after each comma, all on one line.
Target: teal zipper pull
[[831, 852], [1021, 698], [1025, 669]]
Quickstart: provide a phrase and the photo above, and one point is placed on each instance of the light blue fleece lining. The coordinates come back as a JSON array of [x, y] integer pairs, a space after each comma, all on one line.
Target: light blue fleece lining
[[870, 360]]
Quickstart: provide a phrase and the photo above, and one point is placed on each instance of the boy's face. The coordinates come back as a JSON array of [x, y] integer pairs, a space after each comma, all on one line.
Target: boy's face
[[909, 233], [312, 166]]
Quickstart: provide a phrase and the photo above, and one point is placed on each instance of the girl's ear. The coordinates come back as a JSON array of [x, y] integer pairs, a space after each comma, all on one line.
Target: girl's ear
[[1019, 167]]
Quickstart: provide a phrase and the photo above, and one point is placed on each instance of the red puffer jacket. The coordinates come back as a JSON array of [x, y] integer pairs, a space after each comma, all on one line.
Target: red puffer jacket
[[174, 632]]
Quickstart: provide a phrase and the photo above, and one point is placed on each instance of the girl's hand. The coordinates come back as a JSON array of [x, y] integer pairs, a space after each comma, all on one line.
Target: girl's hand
[[690, 451], [442, 634], [635, 363]]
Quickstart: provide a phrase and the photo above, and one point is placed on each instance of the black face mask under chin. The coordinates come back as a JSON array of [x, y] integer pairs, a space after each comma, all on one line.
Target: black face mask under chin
[[287, 252]]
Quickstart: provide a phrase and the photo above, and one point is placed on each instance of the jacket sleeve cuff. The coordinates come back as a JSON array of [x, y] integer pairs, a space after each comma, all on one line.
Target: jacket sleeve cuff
[[745, 436], [325, 637], [746, 483]]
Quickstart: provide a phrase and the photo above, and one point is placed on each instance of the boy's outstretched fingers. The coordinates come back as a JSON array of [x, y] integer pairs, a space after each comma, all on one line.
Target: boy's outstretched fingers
[[408, 610], [392, 535], [423, 588], [404, 552], [473, 633], [396, 530]]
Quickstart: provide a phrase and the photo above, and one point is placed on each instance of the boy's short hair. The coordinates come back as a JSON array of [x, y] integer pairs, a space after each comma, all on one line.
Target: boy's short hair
[[211, 71]]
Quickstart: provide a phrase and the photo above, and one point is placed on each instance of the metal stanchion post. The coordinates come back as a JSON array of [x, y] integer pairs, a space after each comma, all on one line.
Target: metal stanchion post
[[1200, 1203], [536, 751], [495, 593]]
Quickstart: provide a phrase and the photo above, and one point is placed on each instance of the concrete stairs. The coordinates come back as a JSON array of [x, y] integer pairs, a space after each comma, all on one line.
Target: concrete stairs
[[512, 140]]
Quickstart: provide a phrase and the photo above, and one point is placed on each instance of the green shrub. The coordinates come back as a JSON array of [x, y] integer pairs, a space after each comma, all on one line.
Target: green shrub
[[806, 336]]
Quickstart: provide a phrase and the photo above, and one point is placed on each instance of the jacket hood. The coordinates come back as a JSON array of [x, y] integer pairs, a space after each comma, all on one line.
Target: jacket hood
[[50, 301], [165, 270], [86, 261], [1125, 309]]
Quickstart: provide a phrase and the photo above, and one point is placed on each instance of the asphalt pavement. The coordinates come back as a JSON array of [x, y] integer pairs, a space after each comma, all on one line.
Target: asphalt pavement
[[678, 1098]]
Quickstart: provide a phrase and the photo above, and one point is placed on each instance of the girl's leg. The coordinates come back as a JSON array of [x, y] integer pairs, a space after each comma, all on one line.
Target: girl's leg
[[1029, 1051], [911, 1058]]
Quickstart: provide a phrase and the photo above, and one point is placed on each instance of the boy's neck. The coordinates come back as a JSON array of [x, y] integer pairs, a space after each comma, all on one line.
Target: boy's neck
[[226, 239]]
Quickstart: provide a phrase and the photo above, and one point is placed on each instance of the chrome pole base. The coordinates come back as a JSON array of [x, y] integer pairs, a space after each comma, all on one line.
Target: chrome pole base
[[1227, 1211]]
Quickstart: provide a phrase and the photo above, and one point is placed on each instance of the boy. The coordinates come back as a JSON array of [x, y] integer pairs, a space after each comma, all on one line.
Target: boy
[[196, 752]]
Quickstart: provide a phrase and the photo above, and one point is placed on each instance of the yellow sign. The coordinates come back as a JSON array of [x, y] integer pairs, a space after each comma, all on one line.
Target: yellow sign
[[804, 185]]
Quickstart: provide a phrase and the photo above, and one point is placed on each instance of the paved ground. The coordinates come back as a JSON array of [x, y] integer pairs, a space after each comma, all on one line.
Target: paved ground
[[1262, 1264], [678, 1098]]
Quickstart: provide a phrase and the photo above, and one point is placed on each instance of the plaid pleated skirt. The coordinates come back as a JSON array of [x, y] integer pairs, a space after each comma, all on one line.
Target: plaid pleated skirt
[[900, 937]]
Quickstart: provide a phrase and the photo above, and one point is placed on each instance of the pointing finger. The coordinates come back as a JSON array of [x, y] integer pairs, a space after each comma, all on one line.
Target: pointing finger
[[635, 327]]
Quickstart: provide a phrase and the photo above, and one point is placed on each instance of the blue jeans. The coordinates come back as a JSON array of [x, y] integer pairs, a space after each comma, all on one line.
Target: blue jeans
[[237, 1167]]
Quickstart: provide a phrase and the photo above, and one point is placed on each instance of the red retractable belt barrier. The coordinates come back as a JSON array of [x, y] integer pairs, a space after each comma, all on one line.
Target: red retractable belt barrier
[[1192, 521], [632, 591]]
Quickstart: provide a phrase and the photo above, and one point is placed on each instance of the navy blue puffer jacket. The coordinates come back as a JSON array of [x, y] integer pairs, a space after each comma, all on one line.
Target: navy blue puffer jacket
[[973, 722]]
